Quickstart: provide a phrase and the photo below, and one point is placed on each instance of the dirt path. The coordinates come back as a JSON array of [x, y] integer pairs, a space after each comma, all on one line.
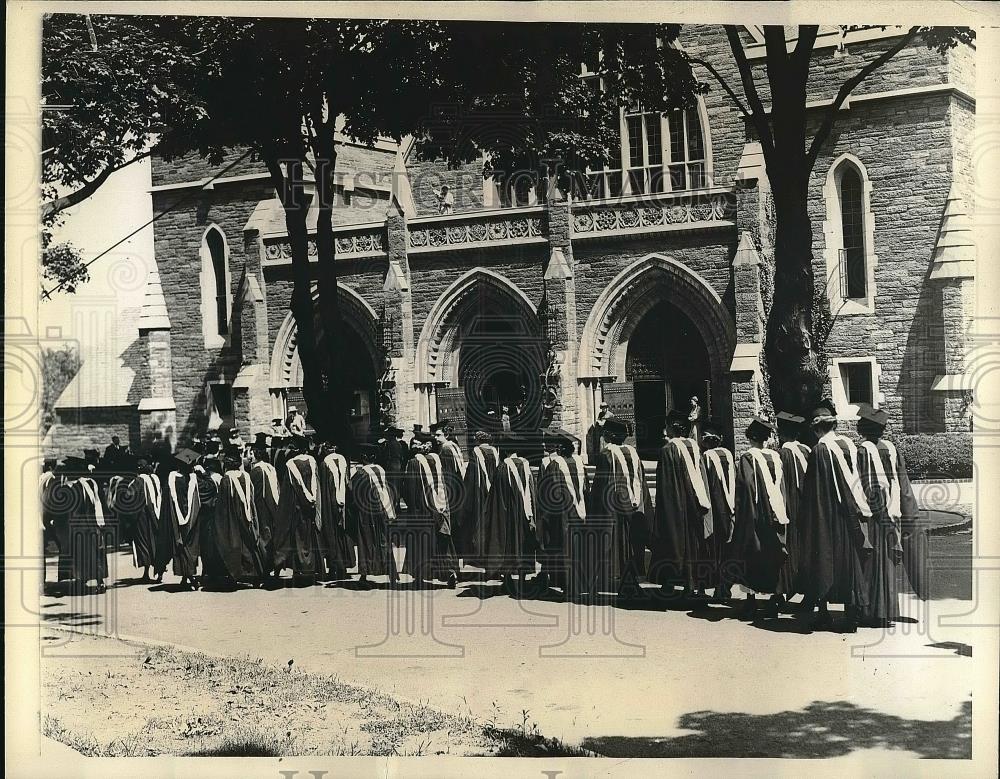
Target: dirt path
[[112, 698]]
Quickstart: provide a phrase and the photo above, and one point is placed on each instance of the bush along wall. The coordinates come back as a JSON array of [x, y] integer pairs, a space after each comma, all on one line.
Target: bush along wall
[[936, 455]]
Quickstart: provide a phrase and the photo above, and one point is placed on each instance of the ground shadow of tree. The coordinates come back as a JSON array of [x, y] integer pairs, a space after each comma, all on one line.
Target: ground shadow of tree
[[821, 729]]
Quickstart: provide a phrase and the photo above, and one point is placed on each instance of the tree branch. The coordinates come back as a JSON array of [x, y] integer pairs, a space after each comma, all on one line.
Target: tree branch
[[806, 42], [54, 206], [729, 90], [845, 90], [758, 115]]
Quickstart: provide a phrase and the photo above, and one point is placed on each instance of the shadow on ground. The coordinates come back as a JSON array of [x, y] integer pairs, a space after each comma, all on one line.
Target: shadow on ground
[[821, 729]]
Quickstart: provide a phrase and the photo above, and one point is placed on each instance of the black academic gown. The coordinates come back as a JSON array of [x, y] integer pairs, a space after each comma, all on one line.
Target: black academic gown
[[794, 459], [212, 565], [453, 469], [719, 469], [677, 536], [296, 533], [834, 530], [180, 523], [479, 477], [335, 537], [913, 530], [393, 455], [236, 528], [266, 492], [881, 567], [85, 548], [430, 548], [369, 511], [509, 527], [56, 497], [561, 499], [149, 504], [611, 500], [758, 534]]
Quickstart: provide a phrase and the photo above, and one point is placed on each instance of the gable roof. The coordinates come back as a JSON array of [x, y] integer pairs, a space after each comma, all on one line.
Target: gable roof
[[107, 376]]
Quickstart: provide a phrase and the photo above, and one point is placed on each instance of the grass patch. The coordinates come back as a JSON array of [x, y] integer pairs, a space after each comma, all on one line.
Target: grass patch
[[244, 707]]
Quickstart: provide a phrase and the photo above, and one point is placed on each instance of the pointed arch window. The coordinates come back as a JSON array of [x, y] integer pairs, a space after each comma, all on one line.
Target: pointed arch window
[[849, 231], [216, 305]]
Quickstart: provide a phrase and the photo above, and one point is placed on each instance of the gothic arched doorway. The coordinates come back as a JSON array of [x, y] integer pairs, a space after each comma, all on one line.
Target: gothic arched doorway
[[657, 335], [667, 363], [481, 350], [358, 365], [499, 369]]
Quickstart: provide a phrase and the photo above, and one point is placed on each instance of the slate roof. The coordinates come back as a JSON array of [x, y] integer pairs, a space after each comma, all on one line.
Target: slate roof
[[107, 376]]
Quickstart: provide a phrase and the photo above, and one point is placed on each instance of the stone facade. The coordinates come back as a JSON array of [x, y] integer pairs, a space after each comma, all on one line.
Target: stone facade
[[582, 275]]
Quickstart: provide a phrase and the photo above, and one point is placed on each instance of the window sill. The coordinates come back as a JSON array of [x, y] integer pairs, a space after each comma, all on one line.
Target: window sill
[[852, 307]]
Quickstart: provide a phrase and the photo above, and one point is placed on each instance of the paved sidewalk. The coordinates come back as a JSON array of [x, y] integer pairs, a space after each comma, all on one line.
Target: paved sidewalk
[[680, 682]]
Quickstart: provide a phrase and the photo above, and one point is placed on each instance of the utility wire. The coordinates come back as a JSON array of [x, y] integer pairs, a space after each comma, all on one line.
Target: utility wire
[[47, 293]]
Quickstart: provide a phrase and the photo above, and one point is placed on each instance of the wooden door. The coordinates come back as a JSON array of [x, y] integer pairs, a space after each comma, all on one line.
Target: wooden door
[[620, 397]]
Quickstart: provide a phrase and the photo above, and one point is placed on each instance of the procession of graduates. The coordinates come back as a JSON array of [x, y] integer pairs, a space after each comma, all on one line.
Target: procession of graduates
[[834, 522]]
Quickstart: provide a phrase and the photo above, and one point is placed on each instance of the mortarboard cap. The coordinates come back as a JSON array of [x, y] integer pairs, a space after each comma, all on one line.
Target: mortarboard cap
[[824, 412], [367, 450], [872, 417], [759, 428], [616, 426], [788, 422], [678, 418], [186, 457], [711, 431]]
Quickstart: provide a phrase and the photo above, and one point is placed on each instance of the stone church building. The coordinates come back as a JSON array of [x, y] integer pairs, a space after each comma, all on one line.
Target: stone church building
[[644, 288]]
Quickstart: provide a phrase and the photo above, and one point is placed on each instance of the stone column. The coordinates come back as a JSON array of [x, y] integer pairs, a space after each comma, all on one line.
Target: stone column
[[560, 306], [157, 410], [397, 311], [745, 371], [954, 271]]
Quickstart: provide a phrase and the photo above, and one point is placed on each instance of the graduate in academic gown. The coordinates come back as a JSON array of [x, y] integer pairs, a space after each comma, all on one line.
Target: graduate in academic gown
[[833, 521], [619, 493], [209, 476], [148, 494], [879, 464], [794, 459], [561, 498], [48, 484], [479, 477], [509, 524], [335, 538], [236, 530], [426, 499], [453, 467], [296, 534], [120, 501], [369, 510], [761, 518], [266, 493], [719, 468], [680, 555], [393, 460], [180, 522], [84, 552]]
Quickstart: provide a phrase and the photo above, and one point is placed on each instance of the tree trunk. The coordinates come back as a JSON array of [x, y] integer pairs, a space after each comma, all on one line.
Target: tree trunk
[[339, 392], [796, 382], [295, 205]]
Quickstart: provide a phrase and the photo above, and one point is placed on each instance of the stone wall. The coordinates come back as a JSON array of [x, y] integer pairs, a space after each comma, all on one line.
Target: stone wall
[[913, 147], [91, 428], [905, 147], [177, 242]]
